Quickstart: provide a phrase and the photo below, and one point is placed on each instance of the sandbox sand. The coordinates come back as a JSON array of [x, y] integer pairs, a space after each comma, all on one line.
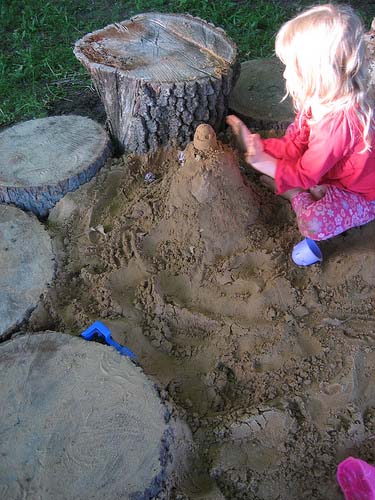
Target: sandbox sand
[[271, 365]]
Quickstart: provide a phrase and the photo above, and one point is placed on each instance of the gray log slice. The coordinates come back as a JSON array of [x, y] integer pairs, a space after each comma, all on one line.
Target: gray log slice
[[41, 160], [256, 96], [159, 76], [79, 421], [26, 266]]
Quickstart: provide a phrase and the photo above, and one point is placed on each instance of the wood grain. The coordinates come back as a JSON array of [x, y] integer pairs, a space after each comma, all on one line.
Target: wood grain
[[160, 76], [258, 93], [80, 421], [26, 266], [41, 160]]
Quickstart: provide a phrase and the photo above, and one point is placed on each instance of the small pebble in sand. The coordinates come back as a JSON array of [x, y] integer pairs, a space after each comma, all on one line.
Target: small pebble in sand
[[181, 157], [100, 229], [149, 177]]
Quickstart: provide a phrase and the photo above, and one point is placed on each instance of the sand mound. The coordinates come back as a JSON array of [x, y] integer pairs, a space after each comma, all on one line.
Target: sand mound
[[270, 364]]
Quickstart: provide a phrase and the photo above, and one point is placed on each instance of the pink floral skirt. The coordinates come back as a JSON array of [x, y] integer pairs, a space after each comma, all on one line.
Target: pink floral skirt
[[336, 212]]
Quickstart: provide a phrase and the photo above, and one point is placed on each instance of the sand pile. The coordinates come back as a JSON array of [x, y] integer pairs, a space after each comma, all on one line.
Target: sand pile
[[271, 365]]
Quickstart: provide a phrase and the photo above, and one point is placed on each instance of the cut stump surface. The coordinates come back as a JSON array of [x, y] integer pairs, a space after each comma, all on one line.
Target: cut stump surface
[[256, 96], [79, 421], [41, 160], [26, 266], [160, 76]]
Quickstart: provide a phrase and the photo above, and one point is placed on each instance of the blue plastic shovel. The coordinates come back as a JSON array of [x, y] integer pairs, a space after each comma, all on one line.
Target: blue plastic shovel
[[98, 328]]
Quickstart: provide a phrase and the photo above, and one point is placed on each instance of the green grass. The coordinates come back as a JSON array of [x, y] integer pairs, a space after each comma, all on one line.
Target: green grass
[[37, 65]]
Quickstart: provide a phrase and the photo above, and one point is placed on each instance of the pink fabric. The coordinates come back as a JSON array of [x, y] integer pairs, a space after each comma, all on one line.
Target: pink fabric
[[327, 152], [336, 212], [356, 479]]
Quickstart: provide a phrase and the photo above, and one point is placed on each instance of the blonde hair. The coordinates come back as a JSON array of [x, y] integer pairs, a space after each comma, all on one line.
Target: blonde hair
[[326, 69]]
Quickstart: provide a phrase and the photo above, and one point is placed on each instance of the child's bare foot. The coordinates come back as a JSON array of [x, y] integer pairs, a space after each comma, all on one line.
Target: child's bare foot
[[317, 192], [270, 183], [289, 195]]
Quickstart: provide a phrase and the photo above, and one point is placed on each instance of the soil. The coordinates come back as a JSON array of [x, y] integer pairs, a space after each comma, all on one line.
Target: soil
[[83, 102], [269, 364]]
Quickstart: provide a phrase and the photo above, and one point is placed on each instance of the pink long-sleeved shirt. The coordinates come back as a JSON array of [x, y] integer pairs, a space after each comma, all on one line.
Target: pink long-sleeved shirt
[[327, 152]]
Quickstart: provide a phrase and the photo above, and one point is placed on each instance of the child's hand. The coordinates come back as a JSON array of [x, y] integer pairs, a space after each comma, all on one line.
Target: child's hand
[[254, 149], [250, 143]]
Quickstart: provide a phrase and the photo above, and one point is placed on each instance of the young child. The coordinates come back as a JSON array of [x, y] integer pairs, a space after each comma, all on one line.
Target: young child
[[325, 163]]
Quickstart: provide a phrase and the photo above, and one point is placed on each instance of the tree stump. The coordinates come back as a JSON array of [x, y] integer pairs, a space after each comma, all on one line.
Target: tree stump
[[159, 77], [256, 96], [41, 160], [80, 421], [26, 266]]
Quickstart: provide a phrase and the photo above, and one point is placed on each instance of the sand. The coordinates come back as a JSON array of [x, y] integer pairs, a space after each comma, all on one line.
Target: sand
[[271, 365]]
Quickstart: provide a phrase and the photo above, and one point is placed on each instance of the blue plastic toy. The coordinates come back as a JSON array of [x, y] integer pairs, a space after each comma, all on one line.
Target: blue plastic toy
[[98, 328], [306, 252]]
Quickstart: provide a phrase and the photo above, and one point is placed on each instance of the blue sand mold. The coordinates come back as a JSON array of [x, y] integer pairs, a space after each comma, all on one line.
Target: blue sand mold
[[306, 252], [102, 330]]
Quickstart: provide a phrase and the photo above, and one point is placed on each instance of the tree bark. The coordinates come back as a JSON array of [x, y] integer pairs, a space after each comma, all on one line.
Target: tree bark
[[160, 76]]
